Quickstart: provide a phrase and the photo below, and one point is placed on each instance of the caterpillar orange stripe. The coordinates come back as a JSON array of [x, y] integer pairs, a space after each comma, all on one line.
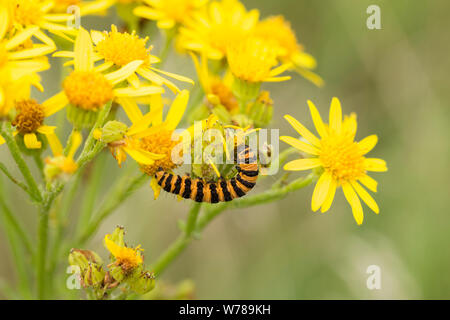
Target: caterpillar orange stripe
[[213, 192]]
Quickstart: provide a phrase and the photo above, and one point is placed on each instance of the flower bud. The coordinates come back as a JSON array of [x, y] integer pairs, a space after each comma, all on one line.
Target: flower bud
[[113, 131], [261, 110], [83, 258], [144, 283]]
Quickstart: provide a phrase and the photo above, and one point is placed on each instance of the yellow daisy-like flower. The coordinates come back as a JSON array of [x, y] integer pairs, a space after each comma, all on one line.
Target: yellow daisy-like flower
[[253, 60], [127, 258], [29, 121], [213, 30], [169, 13], [117, 49], [278, 32], [20, 60], [27, 13], [87, 88], [341, 158]]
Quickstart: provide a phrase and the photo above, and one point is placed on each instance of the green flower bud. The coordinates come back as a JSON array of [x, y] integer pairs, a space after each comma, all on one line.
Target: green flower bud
[[94, 275], [261, 110], [117, 236], [83, 258], [244, 90], [117, 272], [144, 283], [81, 118], [113, 131]]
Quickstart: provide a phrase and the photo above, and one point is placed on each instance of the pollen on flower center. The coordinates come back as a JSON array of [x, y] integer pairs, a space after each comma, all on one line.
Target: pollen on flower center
[[342, 157], [160, 143], [30, 116], [27, 12], [122, 48], [252, 59], [88, 90]]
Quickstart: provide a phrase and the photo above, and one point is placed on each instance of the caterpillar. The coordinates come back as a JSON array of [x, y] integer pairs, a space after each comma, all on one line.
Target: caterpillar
[[213, 192]]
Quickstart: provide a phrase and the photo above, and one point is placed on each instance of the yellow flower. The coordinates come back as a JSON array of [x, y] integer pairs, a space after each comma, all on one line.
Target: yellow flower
[[117, 49], [212, 31], [27, 13], [278, 32], [217, 90], [253, 60], [29, 121], [20, 60], [127, 258], [341, 158], [169, 13], [60, 165], [160, 138], [87, 88]]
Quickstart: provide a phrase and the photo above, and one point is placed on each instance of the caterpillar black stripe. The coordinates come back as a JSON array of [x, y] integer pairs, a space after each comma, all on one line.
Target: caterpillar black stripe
[[213, 192]]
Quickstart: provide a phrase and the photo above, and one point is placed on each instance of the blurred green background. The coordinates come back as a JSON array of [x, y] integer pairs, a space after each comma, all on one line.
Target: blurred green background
[[396, 80]]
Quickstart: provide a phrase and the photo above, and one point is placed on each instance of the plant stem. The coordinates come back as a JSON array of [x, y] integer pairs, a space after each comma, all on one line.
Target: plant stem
[[180, 243], [13, 180], [21, 164], [42, 252], [120, 193], [90, 141]]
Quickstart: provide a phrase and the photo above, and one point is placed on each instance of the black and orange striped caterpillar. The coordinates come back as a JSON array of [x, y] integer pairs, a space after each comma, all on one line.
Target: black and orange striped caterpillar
[[213, 192]]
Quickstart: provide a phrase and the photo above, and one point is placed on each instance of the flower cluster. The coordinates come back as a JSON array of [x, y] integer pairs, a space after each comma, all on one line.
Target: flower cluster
[[116, 95], [125, 270]]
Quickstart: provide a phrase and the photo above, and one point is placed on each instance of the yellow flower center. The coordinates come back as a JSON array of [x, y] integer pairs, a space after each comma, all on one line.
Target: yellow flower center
[[122, 48], [279, 32], [27, 12], [342, 157], [251, 59], [30, 116], [88, 90], [3, 55], [177, 10], [160, 143]]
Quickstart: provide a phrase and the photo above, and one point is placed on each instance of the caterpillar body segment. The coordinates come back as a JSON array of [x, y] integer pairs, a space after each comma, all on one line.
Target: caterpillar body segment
[[213, 192]]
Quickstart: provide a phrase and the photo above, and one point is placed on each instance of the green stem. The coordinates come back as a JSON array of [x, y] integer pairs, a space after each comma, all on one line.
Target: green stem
[[42, 252], [164, 54], [39, 163], [15, 235], [90, 141], [13, 180], [120, 193], [90, 195], [21, 164], [180, 243], [61, 218]]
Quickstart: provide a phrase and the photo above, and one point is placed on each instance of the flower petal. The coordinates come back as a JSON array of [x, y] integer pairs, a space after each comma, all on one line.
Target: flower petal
[[177, 109], [131, 109], [369, 183], [142, 156], [302, 164], [55, 144], [77, 139], [330, 196], [31, 141], [138, 92], [175, 76], [320, 127], [367, 198], [124, 72], [305, 133], [156, 188], [368, 143], [84, 51], [321, 191], [55, 103], [354, 202], [335, 118], [300, 145], [375, 164]]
